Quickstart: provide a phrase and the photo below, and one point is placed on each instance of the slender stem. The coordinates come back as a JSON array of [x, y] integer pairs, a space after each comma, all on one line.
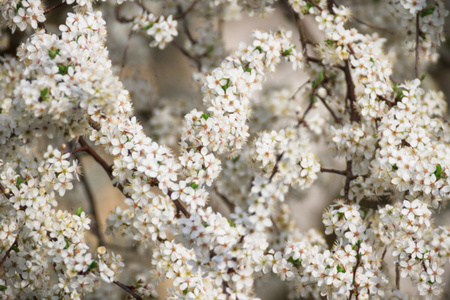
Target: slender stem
[[417, 44], [355, 288], [275, 168], [188, 55], [397, 276], [52, 8], [324, 170], [187, 10], [125, 51], [90, 197], [372, 26], [85, 147], [8, 251], [336, 119], [354, 117], [127, 289]]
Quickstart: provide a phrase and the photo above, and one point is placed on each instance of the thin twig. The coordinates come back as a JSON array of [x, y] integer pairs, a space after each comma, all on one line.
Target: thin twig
[[187, 10], [9, 251], [90, 197], [85, 147], [397, 276], [372, 26], [188, 55], [125, 51], [354, 117], [52, 8], [335, 117], [128, 290], [324, 170]]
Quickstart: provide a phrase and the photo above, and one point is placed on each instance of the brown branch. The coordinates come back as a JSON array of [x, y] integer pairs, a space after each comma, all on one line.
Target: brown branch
[[275, 168], [354, 117], [128, 289], [324, 170], [372, 26], [120, 18], [188, 55], [397, 276], [187, 10], [85, 147], [52, 8], [9, 251], [3, 190], [335, 117], [349, 178], [225, 199]]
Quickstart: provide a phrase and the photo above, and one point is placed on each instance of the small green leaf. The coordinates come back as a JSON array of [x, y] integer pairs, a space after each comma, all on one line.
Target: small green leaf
[[226, 85], [318, 80], [231, 223], [295, 262], [15, 248], [18, 6], [340, 269], [259, 48], [423, 77], [328, 267], [340, 215], [372, 61], [19, 181], [160, 163], [62, 69], [394, 167], [67, 244], [205, 116], [395, 86], [93, 265], [3, 288], [149, 25], [44, 94], [247, 70], [205, 224], [288, 51], [438, 171], [330, 42], [185, 291], [427, 11], [79, 211], [194, 185]]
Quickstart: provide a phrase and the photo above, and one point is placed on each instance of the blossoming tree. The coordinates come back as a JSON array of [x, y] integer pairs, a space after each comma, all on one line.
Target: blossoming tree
[[61, 96]]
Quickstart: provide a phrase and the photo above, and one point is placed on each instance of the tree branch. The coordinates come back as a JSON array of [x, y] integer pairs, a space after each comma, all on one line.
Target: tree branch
[[128, 289]]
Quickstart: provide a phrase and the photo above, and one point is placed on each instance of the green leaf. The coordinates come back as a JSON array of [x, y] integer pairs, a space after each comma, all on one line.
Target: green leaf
[[44, 94], [19, 181], [160, 163], [328, 267], [62, 69], [79, 211], [427, 11], [3, 288], [210, 49], [340, 215], [259, 48], [395, 86], [340, 269], [295, 262], [288, 51], [205, 224], [194, 185], [15, 248], [67, 244], [231, 223], [93, 265], [308, 7], [372, 61], [423, 77], [318, 80], [438, 171], [247, 70], [206, 116], [185, 291], [330, 42], [149, 25], [394, 167], [18, 6]]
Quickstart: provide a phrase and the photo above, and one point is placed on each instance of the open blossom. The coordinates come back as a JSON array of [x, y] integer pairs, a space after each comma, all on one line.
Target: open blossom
[[208, 183]]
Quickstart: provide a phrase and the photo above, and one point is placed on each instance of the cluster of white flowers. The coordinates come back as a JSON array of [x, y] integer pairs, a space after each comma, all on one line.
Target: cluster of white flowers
[[21, 13], [392, 136], [161, 29], [427, 18]]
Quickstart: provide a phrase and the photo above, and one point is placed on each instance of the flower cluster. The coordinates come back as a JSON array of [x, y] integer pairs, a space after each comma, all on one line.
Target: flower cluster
[[21, 14], [161, 29]]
